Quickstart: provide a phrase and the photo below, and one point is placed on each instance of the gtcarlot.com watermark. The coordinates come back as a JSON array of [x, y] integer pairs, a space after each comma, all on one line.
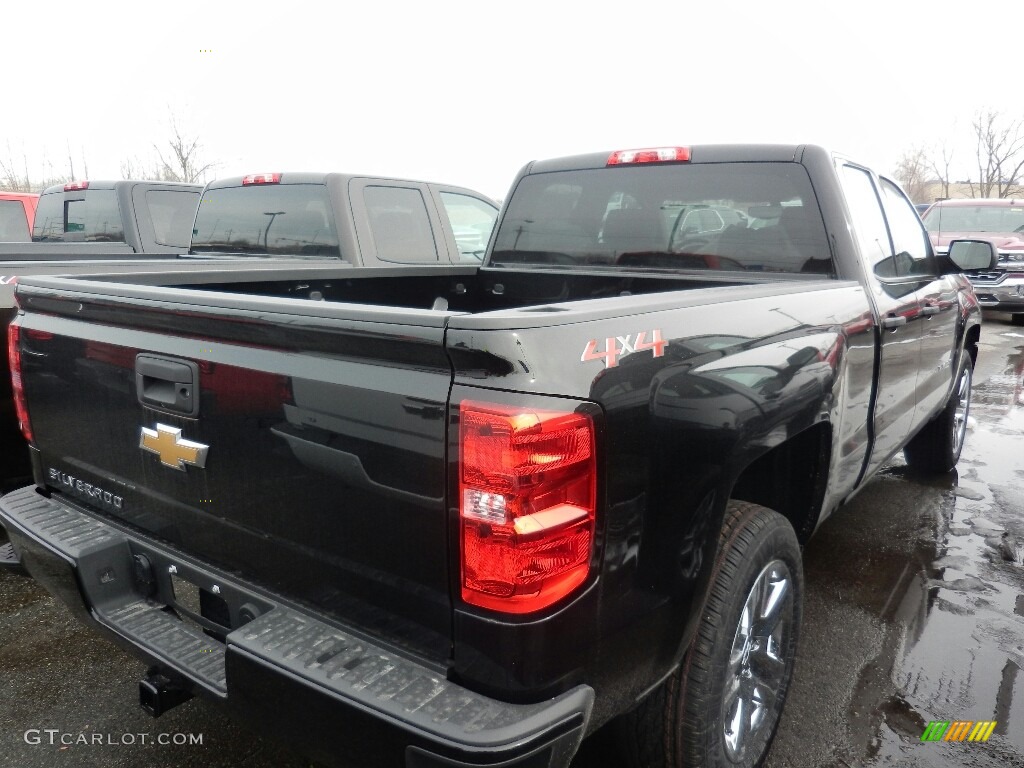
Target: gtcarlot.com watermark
[[55, 737]]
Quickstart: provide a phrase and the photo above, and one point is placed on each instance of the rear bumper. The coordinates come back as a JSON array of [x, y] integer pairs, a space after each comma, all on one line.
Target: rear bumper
[[333, 694]]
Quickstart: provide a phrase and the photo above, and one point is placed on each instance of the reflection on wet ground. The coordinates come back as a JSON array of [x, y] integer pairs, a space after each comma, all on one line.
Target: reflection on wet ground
[[914, 603]]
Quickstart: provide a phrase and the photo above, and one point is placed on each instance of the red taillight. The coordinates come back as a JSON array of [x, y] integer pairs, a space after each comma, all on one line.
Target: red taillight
[[527, 498], [652, 155], [14, 359], [73, 186], [261, 178]]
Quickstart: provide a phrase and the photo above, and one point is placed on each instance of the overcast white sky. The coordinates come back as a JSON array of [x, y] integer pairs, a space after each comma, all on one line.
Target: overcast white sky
[[467, 92]]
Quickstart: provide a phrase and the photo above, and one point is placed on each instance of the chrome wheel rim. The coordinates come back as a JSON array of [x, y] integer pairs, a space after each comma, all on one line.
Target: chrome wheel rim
[[963, 406], [758, 667]]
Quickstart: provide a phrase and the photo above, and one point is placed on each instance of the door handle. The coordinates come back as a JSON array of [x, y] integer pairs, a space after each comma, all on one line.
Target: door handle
[[930, 309], [893, 321]]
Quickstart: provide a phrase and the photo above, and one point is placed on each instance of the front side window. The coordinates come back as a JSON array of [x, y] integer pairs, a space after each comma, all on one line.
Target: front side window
[[472, 220], [760, 217]]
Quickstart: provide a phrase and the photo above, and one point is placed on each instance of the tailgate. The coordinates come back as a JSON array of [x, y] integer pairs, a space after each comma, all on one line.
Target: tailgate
[[302, 454]]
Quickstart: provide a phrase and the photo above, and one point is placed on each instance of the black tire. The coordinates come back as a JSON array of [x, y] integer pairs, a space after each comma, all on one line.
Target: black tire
[[687, 721], [1017, 319], [935, 450]]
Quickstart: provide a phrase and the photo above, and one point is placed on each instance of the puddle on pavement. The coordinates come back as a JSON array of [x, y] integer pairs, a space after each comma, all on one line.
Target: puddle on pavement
[[954, 642]]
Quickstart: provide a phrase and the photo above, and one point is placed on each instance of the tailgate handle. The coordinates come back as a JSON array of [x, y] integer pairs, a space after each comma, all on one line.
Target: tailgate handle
[[167, 384]]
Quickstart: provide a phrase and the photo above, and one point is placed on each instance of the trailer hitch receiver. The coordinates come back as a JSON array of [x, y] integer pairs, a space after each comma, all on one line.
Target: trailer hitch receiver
[[159, 692]]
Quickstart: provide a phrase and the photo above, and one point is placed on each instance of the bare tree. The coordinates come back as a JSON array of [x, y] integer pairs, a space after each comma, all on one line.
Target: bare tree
[[134, 168], [131, 168], [942, 171], [912, 171], [1000, 154], [15, 180], [10, 178], [183, 160]]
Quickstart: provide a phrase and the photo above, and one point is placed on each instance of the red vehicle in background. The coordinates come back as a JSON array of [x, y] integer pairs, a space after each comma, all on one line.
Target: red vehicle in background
[[17, 213], [998, 220]]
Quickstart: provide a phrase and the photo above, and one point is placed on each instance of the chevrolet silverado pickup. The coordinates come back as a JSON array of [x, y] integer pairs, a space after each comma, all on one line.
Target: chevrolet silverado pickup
[[466, 515], [366, 221], [77, 220]]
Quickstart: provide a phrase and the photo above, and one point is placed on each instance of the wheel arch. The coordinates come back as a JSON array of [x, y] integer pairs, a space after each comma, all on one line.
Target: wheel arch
[[790, 478], [971, 340]]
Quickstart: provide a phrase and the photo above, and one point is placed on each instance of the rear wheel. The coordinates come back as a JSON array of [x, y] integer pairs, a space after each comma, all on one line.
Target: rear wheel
[[1017, 319], [722, 706], [936, 448]]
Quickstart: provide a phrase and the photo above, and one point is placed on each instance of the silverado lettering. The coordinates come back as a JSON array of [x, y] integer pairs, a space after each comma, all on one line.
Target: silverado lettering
[[88, 490]]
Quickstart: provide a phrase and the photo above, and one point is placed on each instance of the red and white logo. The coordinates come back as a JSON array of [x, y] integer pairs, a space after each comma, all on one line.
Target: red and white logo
[[616, 346]]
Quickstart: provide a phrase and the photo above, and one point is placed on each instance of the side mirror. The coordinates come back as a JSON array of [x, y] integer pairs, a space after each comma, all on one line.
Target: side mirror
[[972, 255]]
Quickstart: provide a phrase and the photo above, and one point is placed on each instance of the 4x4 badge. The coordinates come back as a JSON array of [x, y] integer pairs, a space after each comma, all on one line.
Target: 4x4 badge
[[617, 346], [174, 452]]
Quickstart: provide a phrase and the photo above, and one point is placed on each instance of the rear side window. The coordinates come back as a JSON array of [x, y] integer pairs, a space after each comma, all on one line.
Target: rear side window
[[13, 224], [92, 216], [400, 225], [274, 219], [472, 220], [759, 217], [172, 213], [869, 222]]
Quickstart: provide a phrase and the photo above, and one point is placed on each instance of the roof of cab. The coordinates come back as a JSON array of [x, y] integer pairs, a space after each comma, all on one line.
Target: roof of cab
[[101, 184], [700, 153]]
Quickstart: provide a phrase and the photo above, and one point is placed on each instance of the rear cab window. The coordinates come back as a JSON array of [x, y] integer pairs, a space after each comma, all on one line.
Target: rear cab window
[[92, 215], [271, 219], [13, 224], [756, 217]]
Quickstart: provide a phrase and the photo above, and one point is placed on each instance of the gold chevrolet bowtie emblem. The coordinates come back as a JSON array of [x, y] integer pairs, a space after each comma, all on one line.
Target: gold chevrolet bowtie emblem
[[174, 452]]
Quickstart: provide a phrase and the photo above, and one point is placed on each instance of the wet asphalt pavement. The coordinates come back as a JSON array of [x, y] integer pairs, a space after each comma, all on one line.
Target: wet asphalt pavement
[[913, 612]]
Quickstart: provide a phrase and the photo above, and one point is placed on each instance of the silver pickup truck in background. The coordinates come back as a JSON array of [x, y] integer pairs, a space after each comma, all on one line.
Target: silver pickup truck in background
[[259, 221]]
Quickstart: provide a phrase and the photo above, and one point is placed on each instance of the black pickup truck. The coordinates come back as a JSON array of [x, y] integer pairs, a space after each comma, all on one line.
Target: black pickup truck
[[454, 516]]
